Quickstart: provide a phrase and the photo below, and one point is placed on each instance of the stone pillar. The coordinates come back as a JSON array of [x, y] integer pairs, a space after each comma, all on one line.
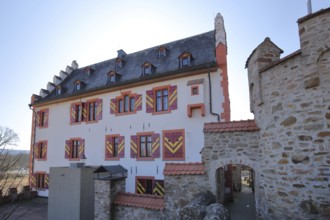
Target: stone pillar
[[102, 199], [105, 193]]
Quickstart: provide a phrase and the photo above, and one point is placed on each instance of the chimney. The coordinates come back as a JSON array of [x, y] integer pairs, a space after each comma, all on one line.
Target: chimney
[[63, 74], [74, 65], [57, 80], [220, 33], [43, 93], [50, 86], [121, 54], [68, 69], [309, 6]]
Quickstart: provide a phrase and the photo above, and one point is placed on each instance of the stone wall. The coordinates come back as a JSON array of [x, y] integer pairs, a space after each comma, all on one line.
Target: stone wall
[[294, 120], [229, 148], [105, 192], [134, 213], [180, 190]]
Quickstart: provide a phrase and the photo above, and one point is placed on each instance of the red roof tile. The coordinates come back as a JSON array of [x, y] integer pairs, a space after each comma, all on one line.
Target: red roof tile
[[248, 125], [140, 201], [184, 169]]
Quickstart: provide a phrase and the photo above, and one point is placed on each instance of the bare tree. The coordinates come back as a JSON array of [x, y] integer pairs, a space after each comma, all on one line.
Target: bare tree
[[10, 168]]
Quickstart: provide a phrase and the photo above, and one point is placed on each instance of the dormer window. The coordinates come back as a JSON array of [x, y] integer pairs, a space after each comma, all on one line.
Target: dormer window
[[58, 90], [162, 51], [119, 63], [185, 59], [89, 71], [78, 85], [147, 69], [113, 77]]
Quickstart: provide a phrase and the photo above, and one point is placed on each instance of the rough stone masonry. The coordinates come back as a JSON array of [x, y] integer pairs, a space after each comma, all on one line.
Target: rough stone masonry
[[290, 99]]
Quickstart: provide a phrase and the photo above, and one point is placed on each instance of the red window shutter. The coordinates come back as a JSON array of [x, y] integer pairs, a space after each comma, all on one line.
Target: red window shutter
[[108, 147], [72, 113], [44, 150], [140, 186], [33, 180], [158, 188], [99, 109], [113, 106], [36, 151], [173, 100], [121, 147], [46, 181], [81, 148], [84, 111], [134, 146], [155, 145], [138, 102], [174, 145], [67, 149], [150, 101], [46, 117], [38, 117]]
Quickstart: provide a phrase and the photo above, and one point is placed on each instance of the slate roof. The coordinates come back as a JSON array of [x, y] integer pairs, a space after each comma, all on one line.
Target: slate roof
[[140, 201], [232, 126], [111, 172], [202, 48], [184, 169]]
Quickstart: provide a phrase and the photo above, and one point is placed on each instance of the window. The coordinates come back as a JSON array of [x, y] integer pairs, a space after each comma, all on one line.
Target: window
[[145, 146], [90, 111], [144, 185], [162, 51], [74, 151], [42, 118], [40, 150], [174, 144], [58, 90], [40, 180], [74, 148], [114, 146], [148, 185], [162, 100], [147, 68], [112, 78], [77, 86], [185, 59], [194, 90], [127, 103]]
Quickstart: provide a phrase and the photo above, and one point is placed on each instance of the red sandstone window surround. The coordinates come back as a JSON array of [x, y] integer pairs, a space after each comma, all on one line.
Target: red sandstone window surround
[[40, 150], [42, 118], [149, 185], [39, 180], [114, 147], [161, 99], [126, 103], [145, 146], [74, 149]]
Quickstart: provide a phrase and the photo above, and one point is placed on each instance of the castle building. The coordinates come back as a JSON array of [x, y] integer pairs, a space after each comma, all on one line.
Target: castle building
[[138, 110]]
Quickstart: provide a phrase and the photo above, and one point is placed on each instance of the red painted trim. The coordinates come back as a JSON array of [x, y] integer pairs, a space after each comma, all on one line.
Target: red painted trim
[[221, 58], [192, 90], [31, 146], [191, 107]]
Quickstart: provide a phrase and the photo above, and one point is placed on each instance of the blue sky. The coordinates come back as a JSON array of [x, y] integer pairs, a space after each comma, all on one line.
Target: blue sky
[[39, 38]]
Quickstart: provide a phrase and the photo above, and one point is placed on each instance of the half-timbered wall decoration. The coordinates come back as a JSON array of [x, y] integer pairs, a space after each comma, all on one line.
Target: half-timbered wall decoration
[[114, 147], [174, 144]]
